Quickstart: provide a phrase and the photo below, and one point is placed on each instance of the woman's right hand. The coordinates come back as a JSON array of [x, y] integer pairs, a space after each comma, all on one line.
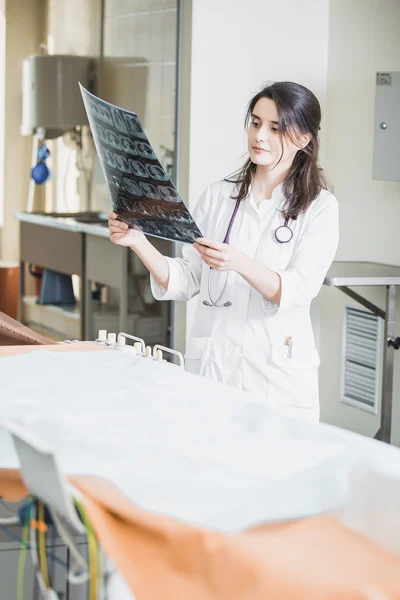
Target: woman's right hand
[[122, 235]]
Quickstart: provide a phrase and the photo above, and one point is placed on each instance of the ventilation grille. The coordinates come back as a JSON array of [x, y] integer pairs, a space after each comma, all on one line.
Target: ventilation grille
[[361, 359]]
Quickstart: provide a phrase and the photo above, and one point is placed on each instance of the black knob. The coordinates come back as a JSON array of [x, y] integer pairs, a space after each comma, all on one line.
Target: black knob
[[394, 342]]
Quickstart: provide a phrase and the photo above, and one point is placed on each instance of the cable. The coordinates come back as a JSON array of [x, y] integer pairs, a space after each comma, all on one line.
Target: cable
[[75, 578], [67, 581], [48, 592], [53, 535], [22, 558], [35, 560], [94, 566], [42, 528]]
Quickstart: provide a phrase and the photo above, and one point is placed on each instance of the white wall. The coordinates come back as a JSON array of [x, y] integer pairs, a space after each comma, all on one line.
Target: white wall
[[24, 33], [363, 38], [237, 46], [73, 27]]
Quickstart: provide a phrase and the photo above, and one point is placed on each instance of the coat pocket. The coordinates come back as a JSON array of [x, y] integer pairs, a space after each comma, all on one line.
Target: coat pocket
[[298, 359], [294, 378], [196, 349]]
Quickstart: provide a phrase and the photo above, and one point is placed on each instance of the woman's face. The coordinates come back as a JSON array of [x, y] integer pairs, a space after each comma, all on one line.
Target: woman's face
[[265, 144]]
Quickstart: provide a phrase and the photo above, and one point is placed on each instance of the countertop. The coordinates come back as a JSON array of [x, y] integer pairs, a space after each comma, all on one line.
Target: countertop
[[97, 227], [355, 273]]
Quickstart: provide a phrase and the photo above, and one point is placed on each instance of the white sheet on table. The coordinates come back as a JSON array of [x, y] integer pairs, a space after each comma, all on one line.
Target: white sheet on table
[[187, 446]]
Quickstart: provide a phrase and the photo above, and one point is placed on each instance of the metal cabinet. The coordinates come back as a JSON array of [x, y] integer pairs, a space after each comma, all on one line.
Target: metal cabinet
[[386, 160]]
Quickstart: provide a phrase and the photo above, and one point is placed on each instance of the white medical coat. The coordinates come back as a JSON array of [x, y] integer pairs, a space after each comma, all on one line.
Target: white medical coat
[[245, 344]]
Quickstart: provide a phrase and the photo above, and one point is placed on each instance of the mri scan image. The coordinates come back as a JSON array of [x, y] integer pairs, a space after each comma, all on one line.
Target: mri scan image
[[140, 190]]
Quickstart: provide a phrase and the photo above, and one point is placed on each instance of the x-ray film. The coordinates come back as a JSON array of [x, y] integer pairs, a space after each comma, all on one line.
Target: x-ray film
[[141, 192]]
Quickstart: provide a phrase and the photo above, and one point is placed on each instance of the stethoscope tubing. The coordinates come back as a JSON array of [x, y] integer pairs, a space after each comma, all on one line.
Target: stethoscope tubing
[[285, 236]]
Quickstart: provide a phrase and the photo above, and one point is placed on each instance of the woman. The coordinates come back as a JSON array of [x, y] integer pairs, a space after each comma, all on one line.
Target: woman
[[252, 327]]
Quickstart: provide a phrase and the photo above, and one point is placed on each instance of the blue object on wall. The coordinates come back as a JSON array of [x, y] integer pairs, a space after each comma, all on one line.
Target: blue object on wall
[[43, 152], [40, 172]]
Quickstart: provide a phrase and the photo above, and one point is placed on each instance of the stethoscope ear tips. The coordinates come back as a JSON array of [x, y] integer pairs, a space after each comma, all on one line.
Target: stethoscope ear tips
[[228, 304]]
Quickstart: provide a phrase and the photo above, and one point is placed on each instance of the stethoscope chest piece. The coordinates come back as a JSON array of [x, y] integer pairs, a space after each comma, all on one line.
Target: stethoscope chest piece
[[284, 234]]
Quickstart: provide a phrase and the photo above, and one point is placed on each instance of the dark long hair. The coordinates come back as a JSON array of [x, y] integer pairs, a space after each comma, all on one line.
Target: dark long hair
[[299, 113]]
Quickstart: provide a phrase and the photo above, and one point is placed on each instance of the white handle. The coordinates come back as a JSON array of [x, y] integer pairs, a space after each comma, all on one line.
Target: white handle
[[178, 354], [133, 337]]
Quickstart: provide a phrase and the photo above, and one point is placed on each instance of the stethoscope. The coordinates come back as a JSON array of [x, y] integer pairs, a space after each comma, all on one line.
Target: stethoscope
[[283, 235]]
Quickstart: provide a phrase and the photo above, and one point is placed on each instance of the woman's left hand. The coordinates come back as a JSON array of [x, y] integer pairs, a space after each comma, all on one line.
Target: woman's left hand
[[219, 256]]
